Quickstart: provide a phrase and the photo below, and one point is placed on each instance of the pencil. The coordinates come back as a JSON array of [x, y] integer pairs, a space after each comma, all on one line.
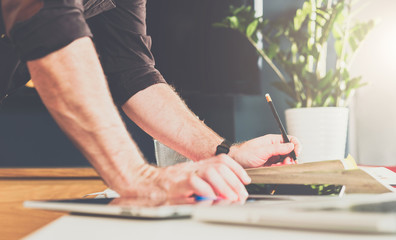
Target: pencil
[[280, 125]]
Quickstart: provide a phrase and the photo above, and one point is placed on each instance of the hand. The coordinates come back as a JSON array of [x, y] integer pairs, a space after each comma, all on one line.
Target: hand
[[265, 151], [216, 177]]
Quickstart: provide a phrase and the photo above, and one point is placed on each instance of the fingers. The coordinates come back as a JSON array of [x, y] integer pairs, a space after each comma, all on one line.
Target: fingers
[[225, 177], [239, 171], [216, 177], [292, 139], [233, 182], [297, 145], [288, 160], [276, 139], [283, 149], [219, 184], [201, 188]]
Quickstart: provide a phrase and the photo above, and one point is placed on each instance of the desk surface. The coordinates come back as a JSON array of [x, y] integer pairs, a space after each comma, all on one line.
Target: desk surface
[[18, 185], [86, 227]]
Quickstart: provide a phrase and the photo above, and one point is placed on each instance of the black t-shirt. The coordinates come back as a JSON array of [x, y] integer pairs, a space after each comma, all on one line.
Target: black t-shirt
[[95, 7], [118, 29]]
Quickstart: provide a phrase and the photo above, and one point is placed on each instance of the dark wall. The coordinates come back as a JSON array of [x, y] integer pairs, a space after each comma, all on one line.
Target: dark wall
[[196, 57], [29, 137]]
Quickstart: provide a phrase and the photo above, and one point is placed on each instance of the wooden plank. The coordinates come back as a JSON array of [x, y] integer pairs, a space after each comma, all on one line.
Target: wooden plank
[[331, 165], [17, 221], [48, 173]]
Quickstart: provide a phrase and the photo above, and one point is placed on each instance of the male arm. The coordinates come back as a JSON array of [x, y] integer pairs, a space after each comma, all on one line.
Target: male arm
[[161, 113], [169, 120], [72, 86]]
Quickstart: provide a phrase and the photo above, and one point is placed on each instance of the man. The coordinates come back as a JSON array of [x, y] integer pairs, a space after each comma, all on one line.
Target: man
[[55, 40]]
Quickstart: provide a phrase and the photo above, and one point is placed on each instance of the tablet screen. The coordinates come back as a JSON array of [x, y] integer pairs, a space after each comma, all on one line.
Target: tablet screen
[[295, 189]]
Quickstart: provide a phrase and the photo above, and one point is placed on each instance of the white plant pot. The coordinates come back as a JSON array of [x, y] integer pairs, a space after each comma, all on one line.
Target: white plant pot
[[322, 132]]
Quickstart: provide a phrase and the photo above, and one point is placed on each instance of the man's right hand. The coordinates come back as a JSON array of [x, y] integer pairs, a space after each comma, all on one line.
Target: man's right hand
[[216, 177]]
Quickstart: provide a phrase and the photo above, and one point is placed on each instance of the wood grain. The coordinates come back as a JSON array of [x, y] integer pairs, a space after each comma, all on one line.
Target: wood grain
[[17, 221], [48, 173], [331, 165]]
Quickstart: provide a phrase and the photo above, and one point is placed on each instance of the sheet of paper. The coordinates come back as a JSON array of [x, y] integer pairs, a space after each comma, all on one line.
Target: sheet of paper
[[349, 162], [385, 175], [108, 193]]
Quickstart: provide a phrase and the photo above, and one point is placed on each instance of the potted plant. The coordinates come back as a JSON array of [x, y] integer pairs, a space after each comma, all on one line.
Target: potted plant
[[317, 94]]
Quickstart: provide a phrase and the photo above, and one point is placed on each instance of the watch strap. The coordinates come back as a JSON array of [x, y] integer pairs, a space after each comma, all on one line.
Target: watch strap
[[224, 147]]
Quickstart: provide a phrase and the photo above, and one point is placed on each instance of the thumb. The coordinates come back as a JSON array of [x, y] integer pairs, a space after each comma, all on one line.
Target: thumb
[[283, 148]]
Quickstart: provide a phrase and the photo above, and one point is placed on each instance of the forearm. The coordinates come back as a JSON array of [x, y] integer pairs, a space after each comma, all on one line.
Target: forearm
[[72, 85], [161, 113]]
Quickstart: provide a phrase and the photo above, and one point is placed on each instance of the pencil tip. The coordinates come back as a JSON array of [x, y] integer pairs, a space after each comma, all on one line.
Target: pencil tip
[[267, 96]]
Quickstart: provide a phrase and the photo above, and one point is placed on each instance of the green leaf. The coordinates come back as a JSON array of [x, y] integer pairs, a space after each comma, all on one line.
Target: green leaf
[[273, 49], [329, 101], [323, 13], [358, 33], [337, 31], [321, 21], [354, 83], [294, 48], [316, 49], [301, 15], [345, 74], [310, 43], [301, 58], [326, 81], [353, 43], [338, 47], [236, 11], [252, 27], [234, 22]]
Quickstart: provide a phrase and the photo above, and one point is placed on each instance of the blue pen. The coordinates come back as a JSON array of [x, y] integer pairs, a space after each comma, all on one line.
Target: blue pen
[[203, 198]]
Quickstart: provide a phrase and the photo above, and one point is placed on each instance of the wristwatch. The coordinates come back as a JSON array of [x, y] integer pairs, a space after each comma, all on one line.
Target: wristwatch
[[224, 147]]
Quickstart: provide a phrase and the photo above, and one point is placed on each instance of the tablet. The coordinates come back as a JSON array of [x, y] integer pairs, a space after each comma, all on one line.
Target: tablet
[[176, 208], [257, 190], [121, 207]]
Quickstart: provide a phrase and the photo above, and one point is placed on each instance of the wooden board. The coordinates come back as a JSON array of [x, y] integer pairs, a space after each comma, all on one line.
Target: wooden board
[[18, 185], [48, 173]]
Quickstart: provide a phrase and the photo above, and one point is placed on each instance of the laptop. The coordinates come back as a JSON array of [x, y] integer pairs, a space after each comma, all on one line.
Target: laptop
[[363, 213]]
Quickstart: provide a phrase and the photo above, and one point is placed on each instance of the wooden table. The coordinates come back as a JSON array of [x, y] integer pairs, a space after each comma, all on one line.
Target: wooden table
[[18, 185]]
